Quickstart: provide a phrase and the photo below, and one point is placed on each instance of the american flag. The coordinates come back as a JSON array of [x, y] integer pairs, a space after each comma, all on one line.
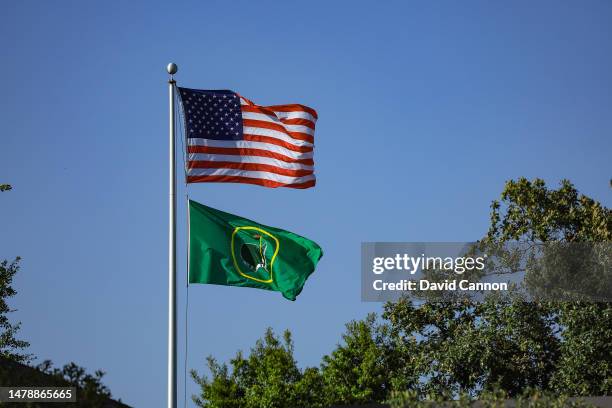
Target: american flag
[[232, 140]]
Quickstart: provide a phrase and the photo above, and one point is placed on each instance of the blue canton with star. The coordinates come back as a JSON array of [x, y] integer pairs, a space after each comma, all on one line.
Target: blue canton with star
[[211, 114]]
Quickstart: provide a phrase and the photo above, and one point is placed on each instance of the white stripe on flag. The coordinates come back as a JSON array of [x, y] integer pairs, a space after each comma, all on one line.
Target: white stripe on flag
[[296, 115]]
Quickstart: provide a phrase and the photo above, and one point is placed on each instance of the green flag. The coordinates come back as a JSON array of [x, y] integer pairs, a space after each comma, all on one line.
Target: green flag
[[225, 249]]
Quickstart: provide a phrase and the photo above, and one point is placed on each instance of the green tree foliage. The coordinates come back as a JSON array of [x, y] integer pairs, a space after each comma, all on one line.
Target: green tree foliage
[[90, 386], [357, 371], [529, 211], [585, 365], [268, 377], [10, 346], [504, 347], [91, 392], [530, 398], [468, 348]]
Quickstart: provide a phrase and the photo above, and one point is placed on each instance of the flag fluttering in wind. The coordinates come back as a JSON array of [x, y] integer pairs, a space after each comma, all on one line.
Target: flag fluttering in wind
[[230, 139], [226, 249]]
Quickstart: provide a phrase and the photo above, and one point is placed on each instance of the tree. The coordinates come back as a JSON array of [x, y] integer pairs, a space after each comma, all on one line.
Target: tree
[[268, 377], [90, 386], [357, 371], [91, 392], [469, 348], [532, 212], [10, 346], [503, 347]]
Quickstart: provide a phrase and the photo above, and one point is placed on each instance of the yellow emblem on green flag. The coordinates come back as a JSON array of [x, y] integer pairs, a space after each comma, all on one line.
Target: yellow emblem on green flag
[[226, 249]]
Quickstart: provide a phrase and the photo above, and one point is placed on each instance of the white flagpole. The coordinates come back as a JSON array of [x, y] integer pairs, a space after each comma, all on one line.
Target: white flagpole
[[172, 68]]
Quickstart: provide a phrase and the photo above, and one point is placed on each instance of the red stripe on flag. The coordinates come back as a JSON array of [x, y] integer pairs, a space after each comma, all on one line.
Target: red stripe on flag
[[248, 180]]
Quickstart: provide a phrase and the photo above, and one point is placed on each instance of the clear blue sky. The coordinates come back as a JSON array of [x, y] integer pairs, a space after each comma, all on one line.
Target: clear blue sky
[[425, 110]]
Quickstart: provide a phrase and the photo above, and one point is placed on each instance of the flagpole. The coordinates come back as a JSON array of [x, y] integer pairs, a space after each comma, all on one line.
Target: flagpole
[[172, 68]]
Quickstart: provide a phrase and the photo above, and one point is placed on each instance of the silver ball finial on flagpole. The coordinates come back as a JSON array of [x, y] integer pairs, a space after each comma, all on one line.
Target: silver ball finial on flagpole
[[172, 68]]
